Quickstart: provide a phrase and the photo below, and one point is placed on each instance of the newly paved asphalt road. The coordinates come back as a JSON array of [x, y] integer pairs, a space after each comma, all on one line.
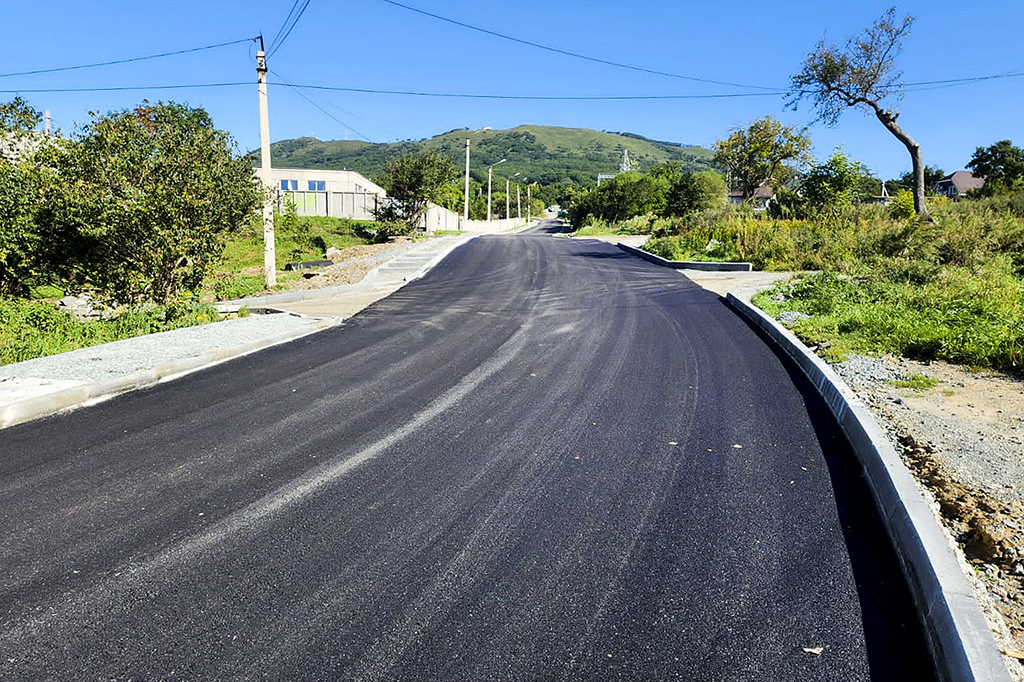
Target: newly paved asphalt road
[[547, 460]]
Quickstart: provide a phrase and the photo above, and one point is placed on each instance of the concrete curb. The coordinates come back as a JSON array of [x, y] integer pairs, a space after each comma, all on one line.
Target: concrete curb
[[686, 264], [78, 396], [959, 636]]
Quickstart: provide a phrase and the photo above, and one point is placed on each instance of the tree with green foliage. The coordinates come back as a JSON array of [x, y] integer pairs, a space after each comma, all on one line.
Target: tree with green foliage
[[932, 174], [762, 153], [862, 74], [833, 184], [18, 116], [139, 204], [624, 196], [411, 181], [19, 241], [1002, 166], [692, 192]]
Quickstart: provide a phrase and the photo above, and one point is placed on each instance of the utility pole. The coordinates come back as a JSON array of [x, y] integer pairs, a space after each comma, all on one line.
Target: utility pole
[[47, 121], [465, 205], [269, 256]]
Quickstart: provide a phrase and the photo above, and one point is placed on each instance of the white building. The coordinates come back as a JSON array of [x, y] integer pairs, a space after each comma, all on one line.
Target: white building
[[339, 194]]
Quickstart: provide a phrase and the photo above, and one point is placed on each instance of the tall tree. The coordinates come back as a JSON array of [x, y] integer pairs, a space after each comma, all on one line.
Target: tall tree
[[1001, 164], [761, 153], [862, 74], [411, 181]]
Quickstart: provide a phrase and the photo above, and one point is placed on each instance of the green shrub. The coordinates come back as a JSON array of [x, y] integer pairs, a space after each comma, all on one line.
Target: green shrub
[[31, 329]]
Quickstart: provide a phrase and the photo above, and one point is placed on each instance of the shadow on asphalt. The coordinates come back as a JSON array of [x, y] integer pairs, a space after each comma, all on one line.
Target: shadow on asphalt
[[605, 255], [893, 629]]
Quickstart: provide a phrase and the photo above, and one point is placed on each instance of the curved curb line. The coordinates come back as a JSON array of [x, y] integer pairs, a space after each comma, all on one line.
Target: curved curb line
[[960, 638], [77, 396], [709, 266]]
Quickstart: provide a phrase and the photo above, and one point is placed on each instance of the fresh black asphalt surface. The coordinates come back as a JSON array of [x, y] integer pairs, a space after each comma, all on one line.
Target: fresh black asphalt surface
[[546, 460]]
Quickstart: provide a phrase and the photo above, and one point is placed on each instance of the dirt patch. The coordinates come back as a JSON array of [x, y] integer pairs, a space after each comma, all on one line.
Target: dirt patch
[[962, 438], [351, 265]]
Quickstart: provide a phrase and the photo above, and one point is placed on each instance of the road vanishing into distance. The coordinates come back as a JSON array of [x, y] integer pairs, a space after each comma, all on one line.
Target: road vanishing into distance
[[546, 460]]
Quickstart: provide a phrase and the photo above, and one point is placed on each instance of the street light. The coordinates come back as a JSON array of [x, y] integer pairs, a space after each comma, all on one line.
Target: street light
[[489, 169], [507, 207], [519, 203], [465, 206], [529, 203]]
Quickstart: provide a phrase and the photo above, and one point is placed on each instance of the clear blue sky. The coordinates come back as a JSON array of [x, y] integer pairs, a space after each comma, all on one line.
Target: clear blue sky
[[370, 44]]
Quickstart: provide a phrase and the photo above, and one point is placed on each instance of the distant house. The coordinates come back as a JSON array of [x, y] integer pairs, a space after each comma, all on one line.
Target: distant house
[[958, 184], [339, 194], [760, 199]]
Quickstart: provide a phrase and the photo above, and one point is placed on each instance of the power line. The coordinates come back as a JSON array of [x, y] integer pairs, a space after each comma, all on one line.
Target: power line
[[568, 98], [575, 55], [125, 61], [279, 39], [127, 88], [923, 85], [326, 113]]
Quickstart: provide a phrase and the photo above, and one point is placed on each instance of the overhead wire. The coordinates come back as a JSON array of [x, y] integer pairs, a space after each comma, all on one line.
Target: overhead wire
[[278, 41], [127, 88], [575, 55], [325, 112], [124, 61], [569, 98]]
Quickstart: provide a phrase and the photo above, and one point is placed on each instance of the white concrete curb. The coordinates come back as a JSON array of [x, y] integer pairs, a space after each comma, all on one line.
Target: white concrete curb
[[709, 266], [89, 392], [960, 638]]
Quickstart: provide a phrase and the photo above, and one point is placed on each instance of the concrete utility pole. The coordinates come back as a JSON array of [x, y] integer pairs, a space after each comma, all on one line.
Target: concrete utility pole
[[519, 202], [269, 255], [489, 170], [465, 205], [508, 211], [529, 204]]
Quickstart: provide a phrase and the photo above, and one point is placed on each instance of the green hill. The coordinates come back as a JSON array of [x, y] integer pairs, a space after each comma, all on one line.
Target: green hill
[[547, 155]]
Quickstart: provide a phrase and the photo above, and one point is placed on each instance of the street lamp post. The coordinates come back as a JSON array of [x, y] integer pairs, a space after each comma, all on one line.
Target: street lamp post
[[489, 169], [465, 205], [508, 209], [519, 203], [529, 203]]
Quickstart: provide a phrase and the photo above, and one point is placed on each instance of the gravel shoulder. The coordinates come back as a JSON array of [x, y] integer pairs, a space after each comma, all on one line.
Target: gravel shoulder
[[963, 438]]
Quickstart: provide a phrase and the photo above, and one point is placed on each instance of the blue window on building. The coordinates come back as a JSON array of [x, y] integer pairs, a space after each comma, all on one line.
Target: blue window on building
[[317, 186], [292, 185]]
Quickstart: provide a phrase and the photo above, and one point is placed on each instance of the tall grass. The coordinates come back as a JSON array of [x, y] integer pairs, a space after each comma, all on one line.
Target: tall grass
[[32, 329], [949, 288]]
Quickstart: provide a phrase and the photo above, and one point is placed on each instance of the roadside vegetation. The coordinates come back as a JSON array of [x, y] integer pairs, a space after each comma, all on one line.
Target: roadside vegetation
[[239, 271], [946, 283], [134, 210]]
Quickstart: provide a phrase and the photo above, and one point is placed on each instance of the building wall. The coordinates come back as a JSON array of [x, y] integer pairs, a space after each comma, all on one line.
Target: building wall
[[339, 194], [438, 218]]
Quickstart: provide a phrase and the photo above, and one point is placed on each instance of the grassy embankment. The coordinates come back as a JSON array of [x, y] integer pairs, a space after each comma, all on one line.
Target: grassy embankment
[[950, 289], [36, 327]]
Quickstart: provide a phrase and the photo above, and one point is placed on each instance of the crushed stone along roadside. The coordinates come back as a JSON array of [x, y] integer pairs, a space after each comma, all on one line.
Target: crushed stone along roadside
[[350, 266], [963, 439]]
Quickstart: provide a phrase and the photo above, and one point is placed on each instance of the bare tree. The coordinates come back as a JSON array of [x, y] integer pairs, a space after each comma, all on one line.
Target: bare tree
[[861, 74]]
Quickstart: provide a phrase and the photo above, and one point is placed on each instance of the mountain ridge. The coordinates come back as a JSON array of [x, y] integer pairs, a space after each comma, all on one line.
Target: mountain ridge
[[546, 154]]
